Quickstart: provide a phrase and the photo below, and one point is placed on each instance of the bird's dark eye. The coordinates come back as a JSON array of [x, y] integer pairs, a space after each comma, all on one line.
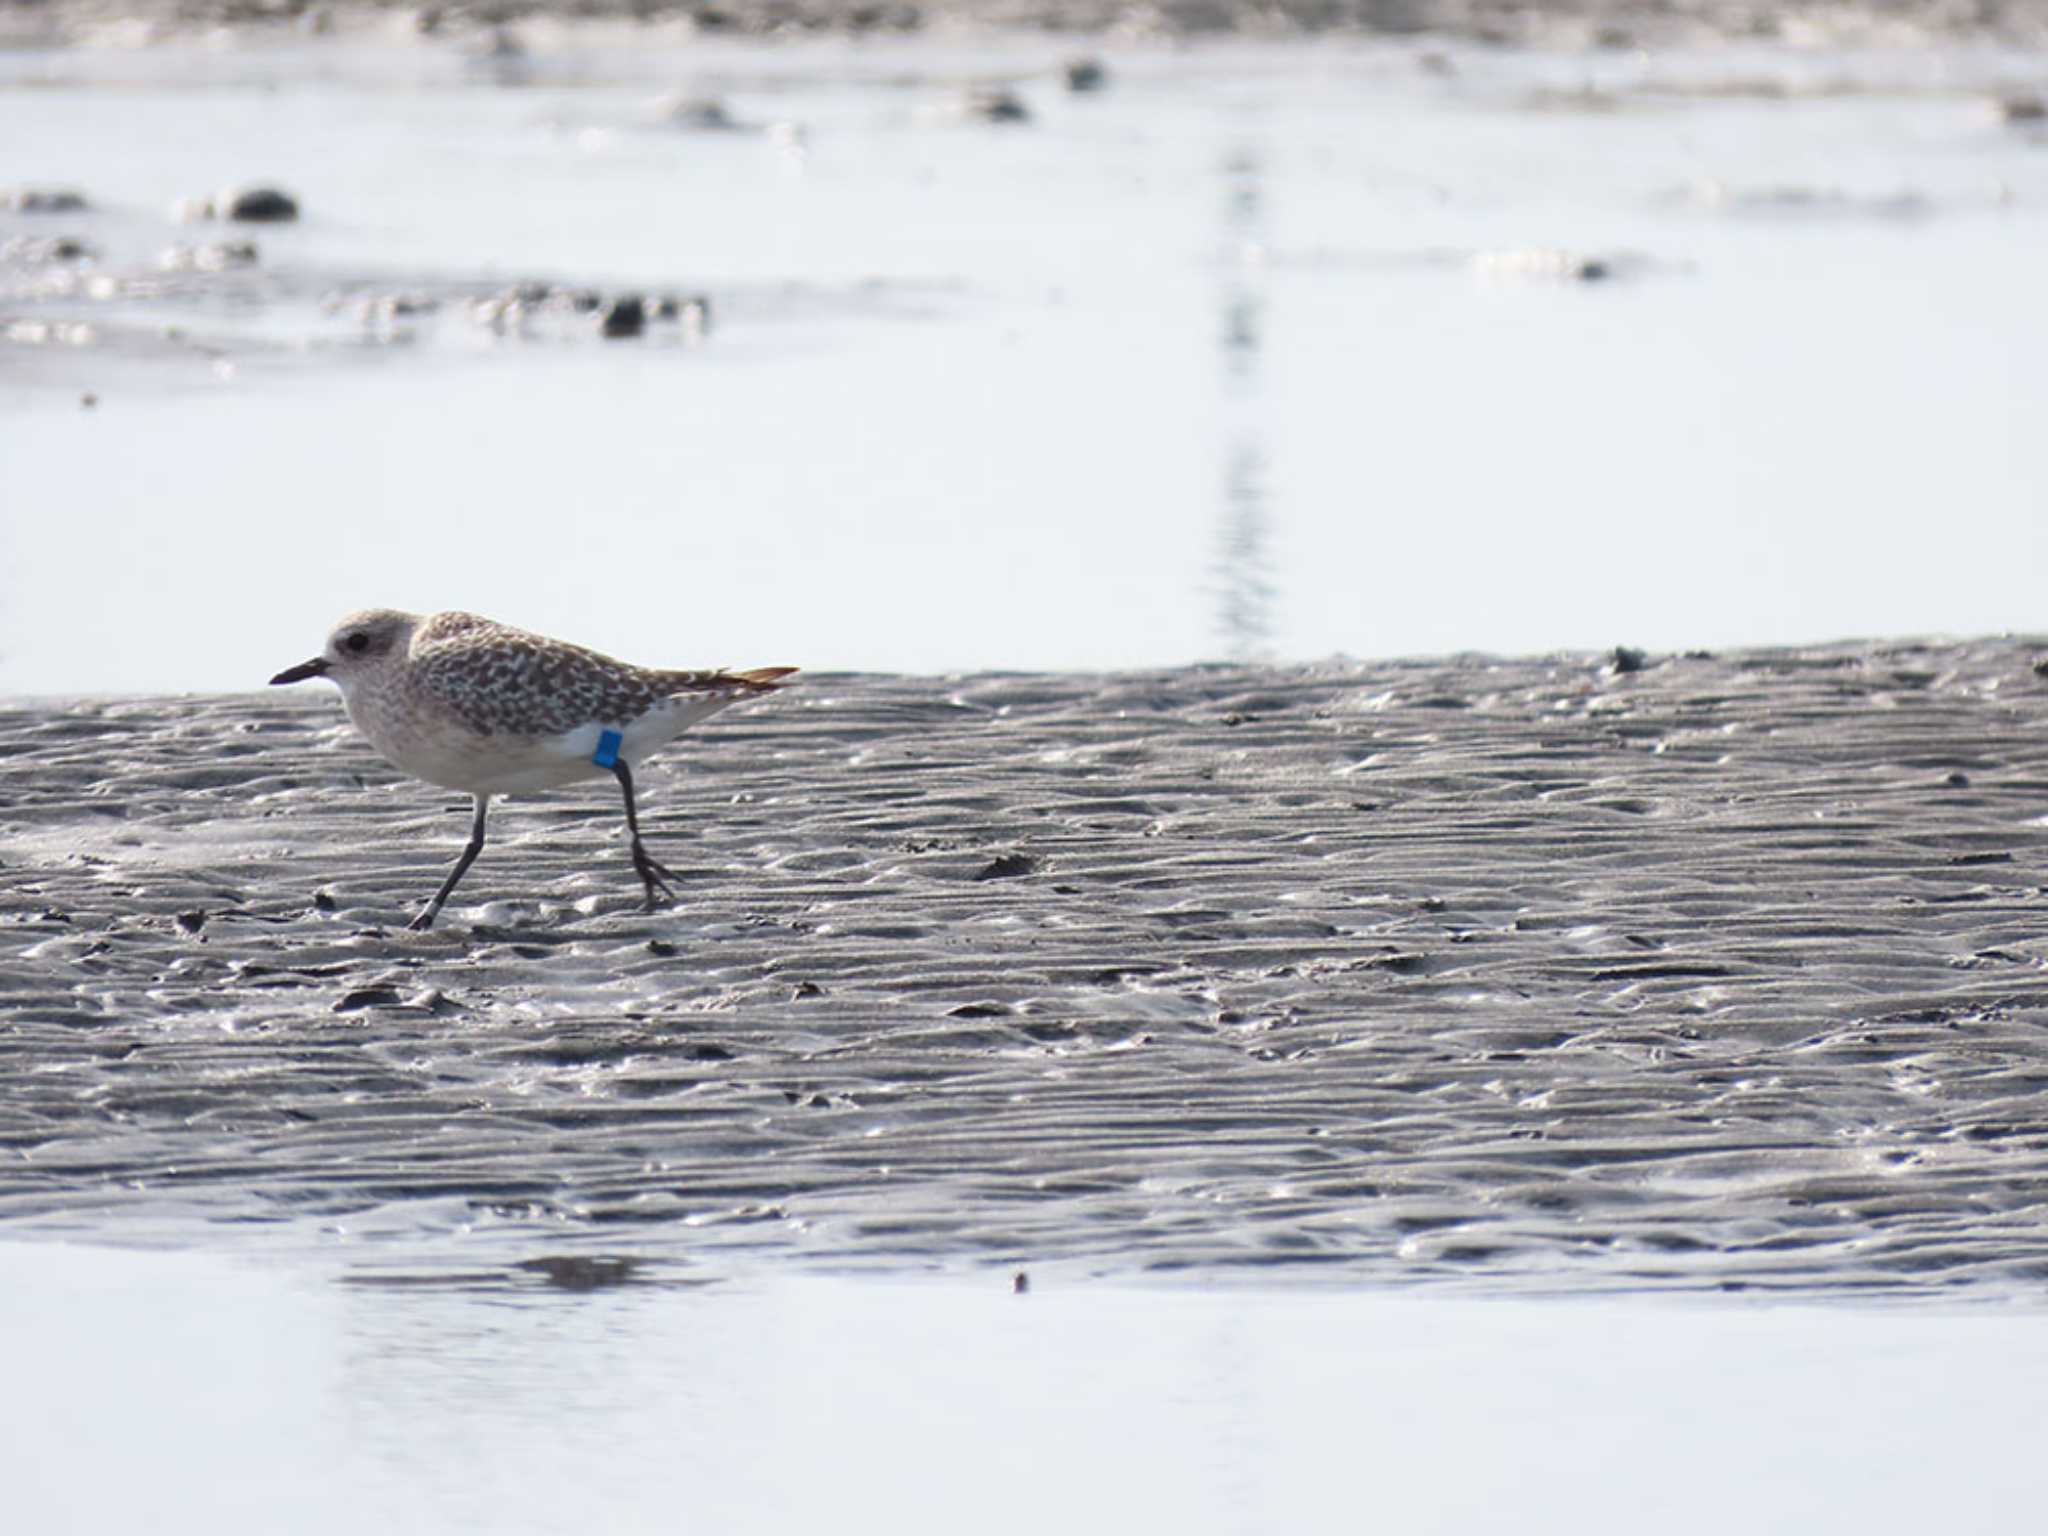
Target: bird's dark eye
[[357, 642]]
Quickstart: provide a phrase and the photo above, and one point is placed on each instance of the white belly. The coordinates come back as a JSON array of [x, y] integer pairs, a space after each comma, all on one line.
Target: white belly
[[439, 748]]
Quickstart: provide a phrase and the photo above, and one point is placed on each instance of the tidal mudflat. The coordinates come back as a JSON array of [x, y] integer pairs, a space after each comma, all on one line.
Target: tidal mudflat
[[1218, 1094], [1525, 976], [1085, 1081]]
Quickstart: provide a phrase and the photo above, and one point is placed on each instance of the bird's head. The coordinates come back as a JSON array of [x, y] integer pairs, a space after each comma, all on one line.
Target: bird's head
[[362, 645]]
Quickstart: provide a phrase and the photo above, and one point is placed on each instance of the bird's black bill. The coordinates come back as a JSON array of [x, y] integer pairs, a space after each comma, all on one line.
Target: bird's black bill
[[305, 669]]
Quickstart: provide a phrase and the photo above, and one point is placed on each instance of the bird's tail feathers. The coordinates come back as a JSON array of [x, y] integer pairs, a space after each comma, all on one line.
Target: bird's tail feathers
[[730, 686], [763, 679]]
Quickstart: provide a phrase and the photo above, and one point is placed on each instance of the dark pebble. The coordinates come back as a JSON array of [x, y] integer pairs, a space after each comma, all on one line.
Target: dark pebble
[[994, 104], [1086, 75], [703, 114], [368, 997], [1009, 867], [578, 1273], [626, 316], [1020, 1282], [259, 205], [192, 921]]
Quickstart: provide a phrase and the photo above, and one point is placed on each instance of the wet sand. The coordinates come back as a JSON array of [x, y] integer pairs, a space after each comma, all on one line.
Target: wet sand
[[1524, 975], [1601, 24]]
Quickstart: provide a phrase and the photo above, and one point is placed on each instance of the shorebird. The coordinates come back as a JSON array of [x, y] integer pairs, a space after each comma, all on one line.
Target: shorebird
[[482, 707]]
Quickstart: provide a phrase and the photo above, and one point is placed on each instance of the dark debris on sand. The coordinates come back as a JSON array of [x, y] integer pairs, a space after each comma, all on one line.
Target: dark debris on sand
[[1728, 971]]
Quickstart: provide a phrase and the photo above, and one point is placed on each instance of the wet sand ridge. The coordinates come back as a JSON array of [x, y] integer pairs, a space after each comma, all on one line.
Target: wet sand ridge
[[1511, 974]]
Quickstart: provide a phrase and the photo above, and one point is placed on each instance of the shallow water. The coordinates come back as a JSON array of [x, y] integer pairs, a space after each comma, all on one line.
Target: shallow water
[[1217, 362], [243, 1399]]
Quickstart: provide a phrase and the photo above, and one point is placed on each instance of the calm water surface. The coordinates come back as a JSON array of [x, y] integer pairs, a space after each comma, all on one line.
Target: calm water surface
[[1221, 361], [239, 1399]]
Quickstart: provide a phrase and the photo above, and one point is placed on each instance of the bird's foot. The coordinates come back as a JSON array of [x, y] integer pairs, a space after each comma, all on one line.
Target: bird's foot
[[658, 878], [424, 921]]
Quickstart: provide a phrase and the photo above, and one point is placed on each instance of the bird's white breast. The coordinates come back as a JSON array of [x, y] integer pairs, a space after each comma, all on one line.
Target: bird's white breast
[[418, 734]]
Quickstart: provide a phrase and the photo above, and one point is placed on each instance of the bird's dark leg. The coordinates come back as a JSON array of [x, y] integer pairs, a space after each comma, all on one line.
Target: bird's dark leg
[[651, 874], [476, 846]]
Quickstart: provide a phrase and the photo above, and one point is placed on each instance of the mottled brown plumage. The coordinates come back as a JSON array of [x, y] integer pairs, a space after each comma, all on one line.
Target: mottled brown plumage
[[497, 678], [461, 701]]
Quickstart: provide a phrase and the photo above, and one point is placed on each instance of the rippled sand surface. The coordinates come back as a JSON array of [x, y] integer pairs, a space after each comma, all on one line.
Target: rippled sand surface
[[1525, 975]]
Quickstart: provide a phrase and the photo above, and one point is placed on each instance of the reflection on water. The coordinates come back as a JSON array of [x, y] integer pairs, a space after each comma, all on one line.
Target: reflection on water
[[1147, 328], [242, 1400], [1244, 587], [1244, 611]]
